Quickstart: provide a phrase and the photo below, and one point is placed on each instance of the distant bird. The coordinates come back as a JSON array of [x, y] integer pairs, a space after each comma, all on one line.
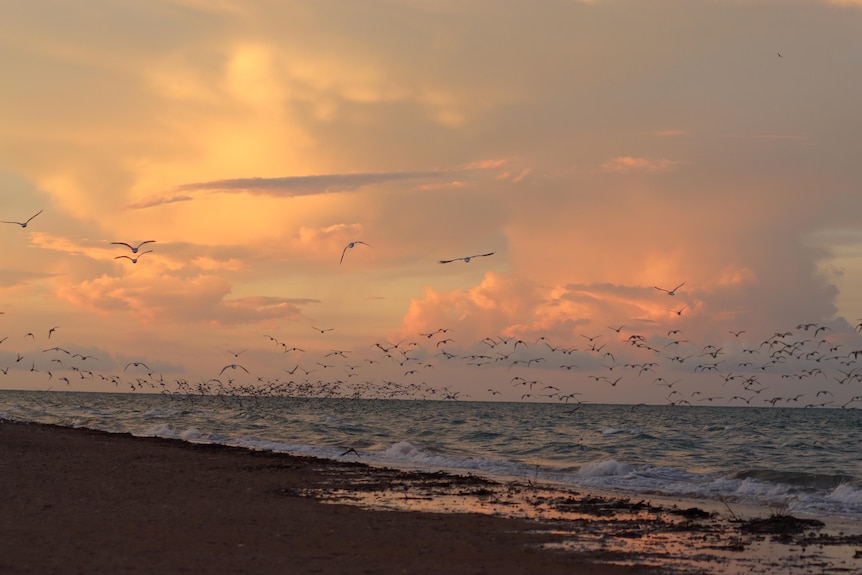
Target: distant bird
[[670, 291], [52, 330], [348, 246], [136, 364], [134, 248], [25, 222], [134, 260], [678, 311], [467, 259], [236, 353], [779, 55], [232, 366], [324, 330]]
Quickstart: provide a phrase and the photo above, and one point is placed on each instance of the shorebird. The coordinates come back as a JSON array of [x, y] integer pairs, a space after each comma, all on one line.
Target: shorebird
[[134, 260], [25, 222], [670, 291], [134, 248], [52, 330], [467, 259], [323, 330], [348, 246]]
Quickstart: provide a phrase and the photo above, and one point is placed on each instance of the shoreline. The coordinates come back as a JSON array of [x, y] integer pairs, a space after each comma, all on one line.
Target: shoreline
[[82, 500]]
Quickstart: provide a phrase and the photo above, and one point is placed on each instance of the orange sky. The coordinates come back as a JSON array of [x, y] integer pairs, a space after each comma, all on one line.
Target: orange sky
[[598, 148]]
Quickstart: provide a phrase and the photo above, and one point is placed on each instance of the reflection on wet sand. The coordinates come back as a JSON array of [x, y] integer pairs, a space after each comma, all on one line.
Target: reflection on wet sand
[[620, 530]]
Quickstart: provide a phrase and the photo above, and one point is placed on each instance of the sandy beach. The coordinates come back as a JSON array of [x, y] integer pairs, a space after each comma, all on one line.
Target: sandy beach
[[85, 501]]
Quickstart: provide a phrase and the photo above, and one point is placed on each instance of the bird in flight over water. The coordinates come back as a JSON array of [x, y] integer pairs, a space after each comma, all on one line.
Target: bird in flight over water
[[348, 246], [467, 259], [133, 248], [25, 222], [670, 291]]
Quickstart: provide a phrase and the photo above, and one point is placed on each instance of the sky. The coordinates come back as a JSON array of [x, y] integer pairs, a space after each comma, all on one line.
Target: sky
[[598, 150]]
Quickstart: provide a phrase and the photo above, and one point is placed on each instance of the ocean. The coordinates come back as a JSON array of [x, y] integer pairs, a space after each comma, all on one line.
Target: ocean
[[793, 460]]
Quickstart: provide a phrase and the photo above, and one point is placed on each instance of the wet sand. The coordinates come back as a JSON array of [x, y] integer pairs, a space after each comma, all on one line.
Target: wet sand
[[84, 501]]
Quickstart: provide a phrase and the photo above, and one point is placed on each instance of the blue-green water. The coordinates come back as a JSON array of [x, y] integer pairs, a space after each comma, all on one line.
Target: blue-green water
[[805, 460]]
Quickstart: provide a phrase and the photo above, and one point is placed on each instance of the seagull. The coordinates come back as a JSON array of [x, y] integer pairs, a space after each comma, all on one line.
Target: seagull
[[232, 366], [467, 259], [52, 330], [323, 330], [670, 291], [133, 248], [134, 260], [136, 364], [24, 223], [348, 246]]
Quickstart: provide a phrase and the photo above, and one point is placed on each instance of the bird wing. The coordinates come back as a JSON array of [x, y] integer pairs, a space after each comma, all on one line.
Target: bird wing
[[33, 216]]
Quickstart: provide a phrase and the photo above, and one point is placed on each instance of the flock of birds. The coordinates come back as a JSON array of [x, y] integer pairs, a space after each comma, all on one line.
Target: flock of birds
[[808, 366]]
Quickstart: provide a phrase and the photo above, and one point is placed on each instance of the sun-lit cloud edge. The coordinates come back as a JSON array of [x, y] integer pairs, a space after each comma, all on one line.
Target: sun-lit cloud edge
[[310, 185]]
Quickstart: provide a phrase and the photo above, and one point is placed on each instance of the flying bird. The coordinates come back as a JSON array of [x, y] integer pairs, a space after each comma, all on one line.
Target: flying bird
[[136, 364], [134, 260], [232, 366], [134, 248], [670, 291], [323, 330], [467, 259], [348, 246], [25, 222]]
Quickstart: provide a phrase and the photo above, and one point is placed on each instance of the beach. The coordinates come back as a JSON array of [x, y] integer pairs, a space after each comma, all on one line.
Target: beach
[[85, 501]]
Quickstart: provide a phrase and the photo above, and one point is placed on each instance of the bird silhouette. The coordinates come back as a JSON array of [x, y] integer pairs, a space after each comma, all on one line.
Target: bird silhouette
[[232, 366], [25, 222], [134, 248], [348, 246], [134, 260], [467, 258], [670, 291]]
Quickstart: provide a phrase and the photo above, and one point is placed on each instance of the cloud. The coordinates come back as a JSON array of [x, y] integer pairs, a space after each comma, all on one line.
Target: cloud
[[286, 187], [202, 300], [628, 164]]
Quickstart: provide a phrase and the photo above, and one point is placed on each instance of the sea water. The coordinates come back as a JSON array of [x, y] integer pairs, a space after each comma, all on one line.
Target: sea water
[[794, 460]]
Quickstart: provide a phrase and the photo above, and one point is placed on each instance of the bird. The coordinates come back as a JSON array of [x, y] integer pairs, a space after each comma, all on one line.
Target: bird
[[134, 248], [670, 291], [52, 330], [323, 330], [136, 364], [134, 260], [25, 222], [232, 366], [467, 259], [350, 245], [678, 311]]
